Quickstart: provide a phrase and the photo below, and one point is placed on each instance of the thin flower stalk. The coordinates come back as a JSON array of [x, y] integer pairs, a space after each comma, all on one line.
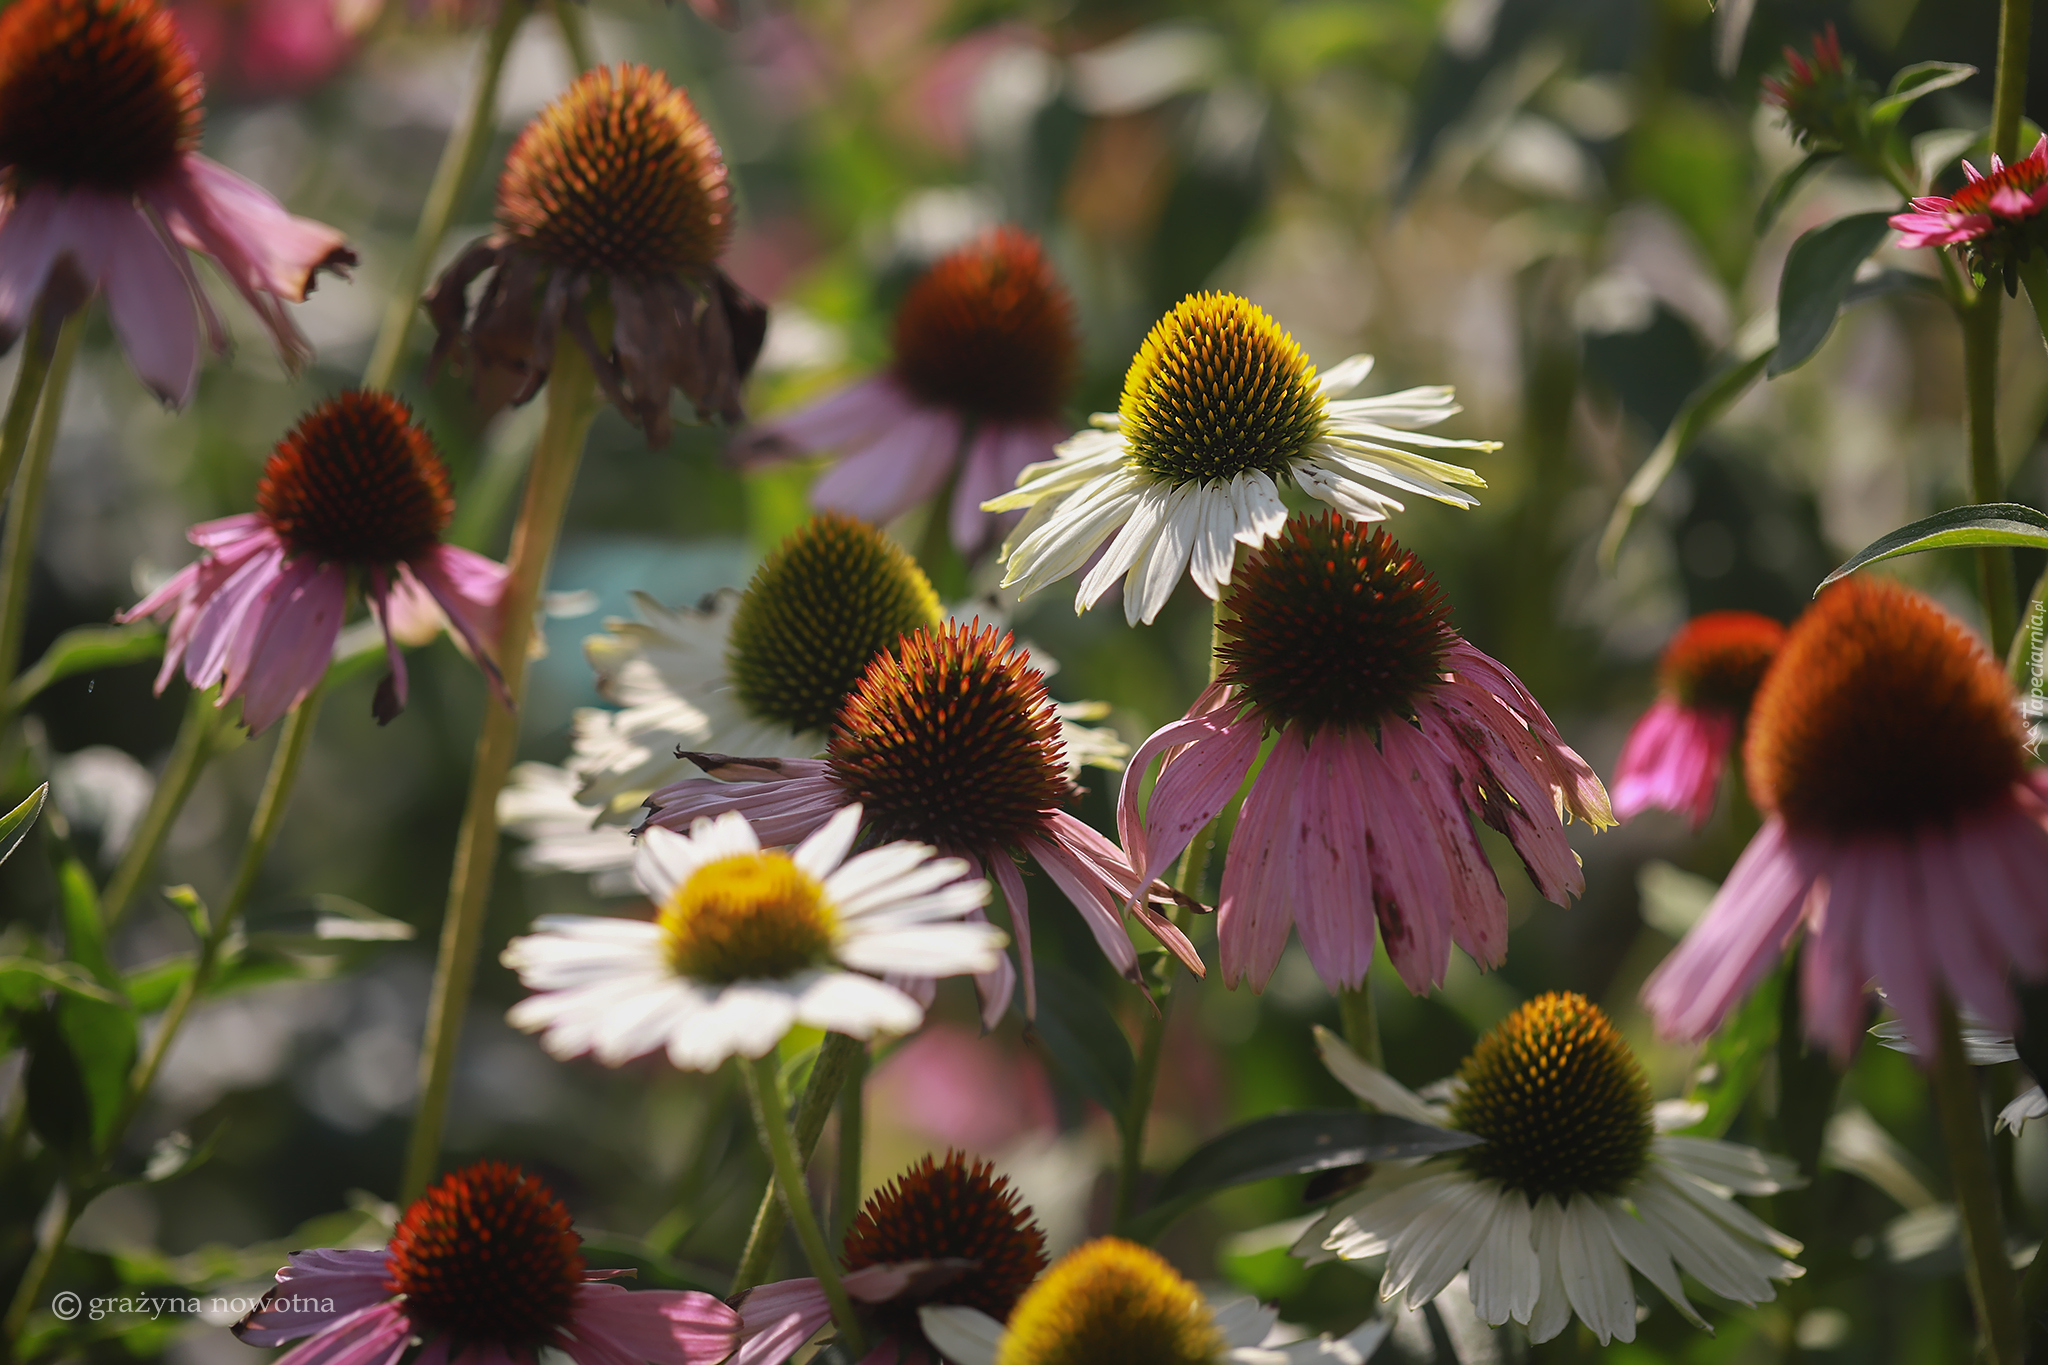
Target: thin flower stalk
[[29, 378], [1992, 1288], [764, 1088], [836, 1057], [572, 407], [199, 738], [461, 159], [25, 507]]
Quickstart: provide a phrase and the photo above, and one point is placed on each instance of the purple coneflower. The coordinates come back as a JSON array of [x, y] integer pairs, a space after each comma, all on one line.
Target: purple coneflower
[[1674, 755], [355, 492], [1389, 732], [99, 118], [486, 1268], [1904, 831]]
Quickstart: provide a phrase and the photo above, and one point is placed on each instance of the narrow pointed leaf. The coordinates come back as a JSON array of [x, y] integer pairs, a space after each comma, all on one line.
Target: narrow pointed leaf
[[1914, 82], [1983, 525], [1781, 190], [83, 650], [15, 825], [1819, 270]]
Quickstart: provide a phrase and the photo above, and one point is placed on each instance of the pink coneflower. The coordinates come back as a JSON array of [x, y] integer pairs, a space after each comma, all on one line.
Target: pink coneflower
[[487, 1270], [1389, 732], [355, 492], [948, 739], [2009, 195], [1904, 830], [99, 118], [986, 348], [1675, 754], [943, 1232], [1825, 103]]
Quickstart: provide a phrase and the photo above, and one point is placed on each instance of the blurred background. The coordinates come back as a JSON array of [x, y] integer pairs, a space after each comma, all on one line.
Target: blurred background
[[1548, 203]]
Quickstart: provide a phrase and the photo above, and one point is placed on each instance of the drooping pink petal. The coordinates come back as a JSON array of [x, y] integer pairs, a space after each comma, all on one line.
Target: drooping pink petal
[[376, 1335], [1104, 862], [149, 294], [1011, 883], [2005, 851], [225, 616], [784, 811], [1253, 914], [848, 417], [900, 469], [394, 690], [291, 646], [1973, 964], [315, 1288], [1498, 757], [1410, 884], [34, 231], [1741, 936], [1331, 892], [777, 1319], [1478, 910], [1673, 761], [1876, 882], [470, 590], [1833, 972], [1190, 792], [1098, 906], [662, 1326]]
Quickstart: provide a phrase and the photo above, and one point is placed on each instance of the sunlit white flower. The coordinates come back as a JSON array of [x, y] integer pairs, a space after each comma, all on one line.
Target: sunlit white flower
[[1981, 1047], [1574, 1185], [1112, 1300], [749, 943], [1219, 407]]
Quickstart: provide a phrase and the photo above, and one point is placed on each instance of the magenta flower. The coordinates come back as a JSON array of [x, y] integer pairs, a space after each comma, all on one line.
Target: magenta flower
[[1675, 754], [2010, 194], [99, 116], [486, 1268], [986, 348], [1389, 732], [354, 491], [1905, 832], [948, 739]]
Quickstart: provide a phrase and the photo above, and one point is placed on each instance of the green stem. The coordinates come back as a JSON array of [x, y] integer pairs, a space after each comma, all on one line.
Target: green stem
[[21, 405], [189, 753], [570, 19], [572, 406], [836, 1057], [852, 1129], [764, 1087], [1361, 1023], [2009, 95], [1980, 387], [1961, 1115], [25, 508], [263, 827], [460, 160]]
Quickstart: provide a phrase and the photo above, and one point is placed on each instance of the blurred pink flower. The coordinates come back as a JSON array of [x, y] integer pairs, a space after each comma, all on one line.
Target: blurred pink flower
[[99, 116], [487, 1269], [1390, 732], [355, 491], [1675, 753], [964, 1090], [986, 345], [2010, 194], [266, 48], [1905, 832]]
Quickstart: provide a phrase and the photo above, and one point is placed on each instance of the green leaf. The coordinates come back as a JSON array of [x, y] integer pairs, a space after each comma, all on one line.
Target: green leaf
[[1739, 367], [1781, 190], [26, 974], [15, 825], [1085, 1040], [1935, 152], [1297, 1143], [1991, 524], [1818, 272], [327, 924], [83, 650], [1912, 83], [80, 1052], [85, 933]]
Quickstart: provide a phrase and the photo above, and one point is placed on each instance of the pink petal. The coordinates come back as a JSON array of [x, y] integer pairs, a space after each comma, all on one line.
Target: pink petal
[[1011, 882], [1478, 910], [470, 590], [225, 616], [664, 1326], [851, 416], [1219, 752], [1105, 862], [1411, 886], [35, 230], [291, 646], [1253, 914], [2004, 853], [1097, 905], [393, 691], [314, 1289], [1743, 933], [1832, 969], [1875, 881], [1325, 849], [777, 1319], [148, 294], [377, 1335], [902, 468], [783, 812], [1973, 963], [1673, 761]]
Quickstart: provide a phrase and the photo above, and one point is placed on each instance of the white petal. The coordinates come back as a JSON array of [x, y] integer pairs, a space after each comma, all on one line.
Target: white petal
[[1505, 1277], [1595, 1277], [1642, 1247], [1242, 1319], [1130, 544], [1742, 1169], [1260, 512], [933, 950], [1371, 1084], [964, 1336], [665, 860], [1150, 581], [1215, 540], [827, 845], [857, 1006], [745, 1020], [1345, 375], [1553, 1306], [1439, 1242]]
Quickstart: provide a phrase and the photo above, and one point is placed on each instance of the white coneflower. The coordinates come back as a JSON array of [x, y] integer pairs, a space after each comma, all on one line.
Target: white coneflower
[[1573, 1186], [1219, 408]]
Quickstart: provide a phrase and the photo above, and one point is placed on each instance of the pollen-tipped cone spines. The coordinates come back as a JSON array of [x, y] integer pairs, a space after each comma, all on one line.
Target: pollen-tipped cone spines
[[1333, 623], [1111, 1300], [823, 604], [356, 481], [950, 738], [951, 1209], [1218, 390], [990, 330], [619, 175], [1881, 713], [747, 917], [1716, 660], [102, 94], [488, 1255], [1561, 1101]]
